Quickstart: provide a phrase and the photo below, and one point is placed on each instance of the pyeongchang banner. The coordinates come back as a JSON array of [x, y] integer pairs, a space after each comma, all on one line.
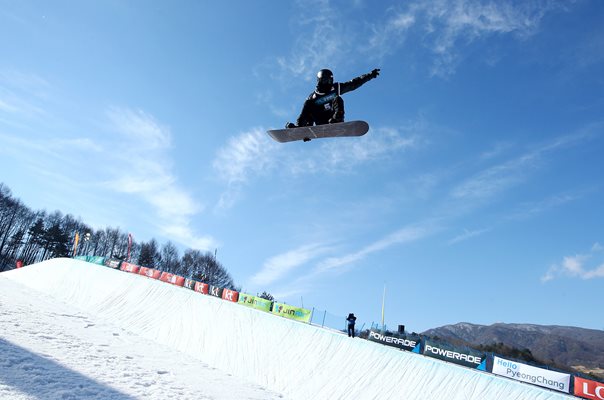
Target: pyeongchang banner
[[529, 374], [589, 389], [462, 356], [403, 342], [287, 311]]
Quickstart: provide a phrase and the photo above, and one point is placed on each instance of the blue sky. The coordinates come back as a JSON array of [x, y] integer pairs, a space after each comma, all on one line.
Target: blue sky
[[476, 196]]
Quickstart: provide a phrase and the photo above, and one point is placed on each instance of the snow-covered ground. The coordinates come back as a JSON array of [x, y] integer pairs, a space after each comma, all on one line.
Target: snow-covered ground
[[74, 330]]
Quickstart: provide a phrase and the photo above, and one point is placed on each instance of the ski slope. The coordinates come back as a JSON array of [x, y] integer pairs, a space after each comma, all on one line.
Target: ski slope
[[181, 338]]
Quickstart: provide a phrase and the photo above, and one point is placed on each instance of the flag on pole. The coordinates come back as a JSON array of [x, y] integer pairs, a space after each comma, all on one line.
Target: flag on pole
[[75, 243], [129, 247]]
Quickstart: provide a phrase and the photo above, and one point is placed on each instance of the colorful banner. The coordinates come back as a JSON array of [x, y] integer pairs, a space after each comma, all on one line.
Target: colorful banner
[[149, 272], [255, 302], [127, 267], [113, 263], [589, 389], [91, 259], [202, 287], [215, 291], [529, 374], [190, 284], [172, 278], [462, 356], [403, 342], [291, 312], [230, 295]]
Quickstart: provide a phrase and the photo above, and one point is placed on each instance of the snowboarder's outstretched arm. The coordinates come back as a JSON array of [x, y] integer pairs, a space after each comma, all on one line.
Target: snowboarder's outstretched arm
[[357, 82]]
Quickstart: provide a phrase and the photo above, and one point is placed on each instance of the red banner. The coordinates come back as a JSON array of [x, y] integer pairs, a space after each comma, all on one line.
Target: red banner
[[130, 268], [202, 287], [177, 280], [589, 389], [150, 272], [230, 295]]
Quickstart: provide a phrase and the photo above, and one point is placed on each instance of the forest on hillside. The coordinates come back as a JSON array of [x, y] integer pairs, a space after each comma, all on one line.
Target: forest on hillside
[[33, 236]]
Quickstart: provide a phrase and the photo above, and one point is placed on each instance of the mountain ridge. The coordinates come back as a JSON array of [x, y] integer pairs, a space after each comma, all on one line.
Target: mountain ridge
[[572, 348]]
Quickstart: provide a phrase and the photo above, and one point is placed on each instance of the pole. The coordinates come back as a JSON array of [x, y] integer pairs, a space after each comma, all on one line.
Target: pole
[[383, 306], [75, 243]]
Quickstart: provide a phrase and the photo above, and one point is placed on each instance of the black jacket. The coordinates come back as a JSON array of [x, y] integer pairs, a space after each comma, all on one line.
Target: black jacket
[[323, 105]]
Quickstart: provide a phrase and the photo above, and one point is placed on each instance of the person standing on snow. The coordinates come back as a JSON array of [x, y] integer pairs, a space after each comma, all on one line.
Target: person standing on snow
[[325, 104], [351, 320]]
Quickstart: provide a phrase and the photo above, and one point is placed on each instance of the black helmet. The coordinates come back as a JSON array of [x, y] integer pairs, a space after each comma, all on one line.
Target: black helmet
[[324, 78]]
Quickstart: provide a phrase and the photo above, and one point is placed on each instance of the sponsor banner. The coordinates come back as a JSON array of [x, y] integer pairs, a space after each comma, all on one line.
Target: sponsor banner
[[291, 312], [462, 356], [230, 295], [589, 389], [96, 260], [255, 302], [172, 278], [527, 373], [190, 284], [113, 263], [149, 272], [130, 267], [92, 259], [215, 291], [166, 277], [178, 280], [403, 342], [202, 287]]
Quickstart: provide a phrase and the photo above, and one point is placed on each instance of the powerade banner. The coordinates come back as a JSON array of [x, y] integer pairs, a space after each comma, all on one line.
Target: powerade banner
[[527, 373], [403, 342], [589, 389], [291, 312], [255, 302], [462, 356]]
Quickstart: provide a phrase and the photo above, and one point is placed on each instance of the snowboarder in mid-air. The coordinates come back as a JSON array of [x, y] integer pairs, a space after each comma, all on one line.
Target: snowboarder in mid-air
[[325, 104]]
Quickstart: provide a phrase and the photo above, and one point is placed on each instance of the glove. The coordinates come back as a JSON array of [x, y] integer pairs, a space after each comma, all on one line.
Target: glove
[[374, 73]]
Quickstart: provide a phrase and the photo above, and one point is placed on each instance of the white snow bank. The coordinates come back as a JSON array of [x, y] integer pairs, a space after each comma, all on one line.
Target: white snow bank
[[298, 360]]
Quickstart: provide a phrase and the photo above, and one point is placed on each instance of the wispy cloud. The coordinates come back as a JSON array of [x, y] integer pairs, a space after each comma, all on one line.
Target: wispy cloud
[[244, 157], [285, 263], [445, 27], [251, 154], [487, 184], [585, 266], [324, 40], [280, 265], [532, 209], [467, 234], [145, 171], [404, 235]]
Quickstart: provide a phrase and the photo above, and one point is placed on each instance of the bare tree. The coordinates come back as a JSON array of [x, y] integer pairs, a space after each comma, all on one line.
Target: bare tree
[[170, 259], [205, 268]]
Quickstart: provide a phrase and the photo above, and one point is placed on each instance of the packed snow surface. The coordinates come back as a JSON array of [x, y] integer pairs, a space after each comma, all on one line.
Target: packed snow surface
[[75, 330]]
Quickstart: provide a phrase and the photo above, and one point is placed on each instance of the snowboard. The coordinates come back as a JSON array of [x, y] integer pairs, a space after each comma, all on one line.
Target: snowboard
[[306, 133]]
